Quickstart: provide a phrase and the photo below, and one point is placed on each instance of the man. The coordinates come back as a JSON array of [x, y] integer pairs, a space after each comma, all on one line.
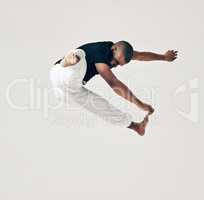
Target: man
[[78, 66]]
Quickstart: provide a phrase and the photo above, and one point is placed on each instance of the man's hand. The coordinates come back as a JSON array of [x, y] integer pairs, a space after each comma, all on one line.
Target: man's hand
[[148, 108], [170, 55], [71, 59]]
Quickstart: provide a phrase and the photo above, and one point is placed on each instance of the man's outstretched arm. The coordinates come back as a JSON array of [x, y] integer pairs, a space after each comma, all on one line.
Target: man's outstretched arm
[[120, 88], [169, 56]]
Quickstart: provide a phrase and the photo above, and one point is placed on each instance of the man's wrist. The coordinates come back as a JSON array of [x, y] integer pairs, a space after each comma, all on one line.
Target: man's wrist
[[162, 57]]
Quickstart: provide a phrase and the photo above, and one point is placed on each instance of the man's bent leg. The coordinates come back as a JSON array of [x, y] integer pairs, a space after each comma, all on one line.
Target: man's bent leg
[[68, 78]]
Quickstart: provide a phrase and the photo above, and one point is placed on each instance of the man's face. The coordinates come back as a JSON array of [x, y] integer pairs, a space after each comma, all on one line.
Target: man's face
[[118, 57]]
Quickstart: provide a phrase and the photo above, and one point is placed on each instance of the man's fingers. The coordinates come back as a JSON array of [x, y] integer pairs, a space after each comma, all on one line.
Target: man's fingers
[[78, 58], [171, 55], [149, 113], [151, 110], [172, 51]]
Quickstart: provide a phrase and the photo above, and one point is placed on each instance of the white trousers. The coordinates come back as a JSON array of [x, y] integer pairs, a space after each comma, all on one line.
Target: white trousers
[[67, 84]]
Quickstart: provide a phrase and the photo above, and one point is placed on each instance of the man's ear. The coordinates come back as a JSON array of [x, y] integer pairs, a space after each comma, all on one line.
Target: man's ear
[[114, 47]]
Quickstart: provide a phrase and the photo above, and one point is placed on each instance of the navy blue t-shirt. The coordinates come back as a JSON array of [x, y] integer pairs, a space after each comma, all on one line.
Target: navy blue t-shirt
[[96, 52]]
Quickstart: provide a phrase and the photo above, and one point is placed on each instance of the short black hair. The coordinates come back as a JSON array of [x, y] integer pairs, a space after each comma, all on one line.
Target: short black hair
[[127, 49]]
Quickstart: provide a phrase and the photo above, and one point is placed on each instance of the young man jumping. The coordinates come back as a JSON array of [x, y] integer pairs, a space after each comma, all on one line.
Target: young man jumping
[[79, 65]]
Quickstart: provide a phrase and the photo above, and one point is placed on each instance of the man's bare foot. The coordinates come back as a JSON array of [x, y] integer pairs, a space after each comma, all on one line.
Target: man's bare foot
[[139, 127]]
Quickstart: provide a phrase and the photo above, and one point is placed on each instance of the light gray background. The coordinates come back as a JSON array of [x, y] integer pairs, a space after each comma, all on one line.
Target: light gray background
[[43, 160]]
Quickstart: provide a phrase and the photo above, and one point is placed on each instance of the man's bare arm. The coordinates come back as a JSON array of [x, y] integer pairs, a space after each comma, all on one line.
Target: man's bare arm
[[169, 56], [120, 88]]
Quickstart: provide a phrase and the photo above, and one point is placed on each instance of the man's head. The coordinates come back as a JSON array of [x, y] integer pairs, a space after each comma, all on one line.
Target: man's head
[[122, 53]]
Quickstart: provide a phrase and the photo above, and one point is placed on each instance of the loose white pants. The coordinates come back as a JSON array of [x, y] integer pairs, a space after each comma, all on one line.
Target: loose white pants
[[67, 84]]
